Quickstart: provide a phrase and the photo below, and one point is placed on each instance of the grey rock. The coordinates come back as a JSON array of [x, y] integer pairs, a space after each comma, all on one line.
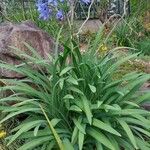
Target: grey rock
[[15, 35]]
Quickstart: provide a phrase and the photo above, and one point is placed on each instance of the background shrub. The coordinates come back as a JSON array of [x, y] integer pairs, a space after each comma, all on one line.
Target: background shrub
[[144, 46]]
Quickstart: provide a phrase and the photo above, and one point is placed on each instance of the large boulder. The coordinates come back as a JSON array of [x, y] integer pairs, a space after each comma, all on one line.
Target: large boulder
[[15, 35]]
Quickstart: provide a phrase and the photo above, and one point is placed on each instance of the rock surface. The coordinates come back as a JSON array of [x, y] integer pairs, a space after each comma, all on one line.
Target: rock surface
[[91, 26], [15, 35]]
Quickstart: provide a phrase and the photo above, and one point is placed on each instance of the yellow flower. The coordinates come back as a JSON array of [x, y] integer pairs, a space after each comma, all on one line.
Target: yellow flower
[[103, 48], [2, 134]]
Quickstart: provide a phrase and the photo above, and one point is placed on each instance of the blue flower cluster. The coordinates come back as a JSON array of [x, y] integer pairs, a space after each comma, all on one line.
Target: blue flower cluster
[[86, 1], [48, 8]]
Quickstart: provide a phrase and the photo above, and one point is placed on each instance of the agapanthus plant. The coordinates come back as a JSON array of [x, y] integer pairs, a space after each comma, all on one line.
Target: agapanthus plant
[[49, 8], [75, 105]]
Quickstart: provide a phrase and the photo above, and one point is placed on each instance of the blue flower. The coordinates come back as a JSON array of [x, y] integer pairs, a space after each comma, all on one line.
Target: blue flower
[[86, 1], [47, 8], [53, 3], [44, 10], [60, 15]]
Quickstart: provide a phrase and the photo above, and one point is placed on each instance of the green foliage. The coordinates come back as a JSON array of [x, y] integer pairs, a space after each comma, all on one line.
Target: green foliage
[[131, 33], [127, 32], [144, 46], [76, 105], [123, 35], [138, 7]]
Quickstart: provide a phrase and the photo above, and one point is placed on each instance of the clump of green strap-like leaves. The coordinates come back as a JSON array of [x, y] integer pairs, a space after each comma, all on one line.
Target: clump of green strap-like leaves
[[73, 103]]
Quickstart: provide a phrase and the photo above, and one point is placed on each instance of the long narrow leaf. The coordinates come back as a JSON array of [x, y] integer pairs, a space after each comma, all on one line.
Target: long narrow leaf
[[57, 138]]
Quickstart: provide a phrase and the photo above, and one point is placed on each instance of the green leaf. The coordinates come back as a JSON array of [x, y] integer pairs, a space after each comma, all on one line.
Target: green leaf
[[74, 135], [112, 107], [55, 121], [81, 138], [96, 106], [99, 146], [79, 126], [57, 138], [143, 98], [131, 112], [65, 70], [114, 142], [72, 81], [92, 88], [75, 108], [44, 146], [87, 109], [128, 132], [100, 137], [51, 145], [99, 103], [61, 83], [143, 145], [99, 124], [26, 127], [42, 133], [131, 104], [68, 96], [74, 89], [77, 50], [135, 85], [18, 113], [34, 143], [118, 63], [125, 143], [133, 121], [32, 50], [141, 118], [67, 145], [36, 130], [142, 130], [57, 42]]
